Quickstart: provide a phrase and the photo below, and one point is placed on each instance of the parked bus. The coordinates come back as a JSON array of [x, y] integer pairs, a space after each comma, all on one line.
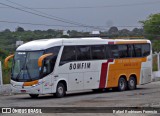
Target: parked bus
[[61, 65]]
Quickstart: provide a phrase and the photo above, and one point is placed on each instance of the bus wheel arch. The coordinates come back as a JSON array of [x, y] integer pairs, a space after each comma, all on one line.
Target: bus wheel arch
[[122, 83], [61, 89], [132, 82]]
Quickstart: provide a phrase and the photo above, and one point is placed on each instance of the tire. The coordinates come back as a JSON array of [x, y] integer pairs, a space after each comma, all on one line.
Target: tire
[[60, 90], [122, 84], [132, 83], [33, 95]]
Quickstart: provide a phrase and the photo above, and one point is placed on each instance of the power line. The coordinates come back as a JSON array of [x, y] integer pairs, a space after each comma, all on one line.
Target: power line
[[91, 7], [41, 24], [38, 24], [45, 13], [46, 16], [67, 21], [25, 23]]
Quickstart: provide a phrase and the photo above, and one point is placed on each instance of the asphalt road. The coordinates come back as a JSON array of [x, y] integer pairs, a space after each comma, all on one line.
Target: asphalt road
[[144, 96]]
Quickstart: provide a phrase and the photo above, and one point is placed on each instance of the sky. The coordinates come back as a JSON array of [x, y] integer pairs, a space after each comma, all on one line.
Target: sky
[[81, 15]]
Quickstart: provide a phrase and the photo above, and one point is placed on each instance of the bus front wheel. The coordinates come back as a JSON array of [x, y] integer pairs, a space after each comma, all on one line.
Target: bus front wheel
[[132, 83], [33, 95], [60, 91], [122, 84]]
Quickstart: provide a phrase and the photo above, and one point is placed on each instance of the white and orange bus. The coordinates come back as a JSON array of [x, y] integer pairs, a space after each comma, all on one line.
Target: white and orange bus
[[61, 65]]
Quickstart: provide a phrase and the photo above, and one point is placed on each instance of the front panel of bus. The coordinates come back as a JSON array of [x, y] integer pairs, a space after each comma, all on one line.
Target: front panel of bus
[[28, 77]]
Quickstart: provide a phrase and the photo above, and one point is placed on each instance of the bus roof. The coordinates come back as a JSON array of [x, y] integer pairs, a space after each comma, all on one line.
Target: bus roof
[[48, 43]]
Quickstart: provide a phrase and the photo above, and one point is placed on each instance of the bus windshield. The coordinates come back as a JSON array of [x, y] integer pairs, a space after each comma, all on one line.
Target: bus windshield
[[25, 67]]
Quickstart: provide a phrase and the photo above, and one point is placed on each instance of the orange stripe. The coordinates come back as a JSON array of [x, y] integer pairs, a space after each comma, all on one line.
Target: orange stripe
[[130, 42], [30, 83]]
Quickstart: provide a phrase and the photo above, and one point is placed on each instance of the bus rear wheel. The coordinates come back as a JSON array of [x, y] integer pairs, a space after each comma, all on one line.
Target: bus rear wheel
[[132, 83], [33, 95], [122, 84], [60, 91]]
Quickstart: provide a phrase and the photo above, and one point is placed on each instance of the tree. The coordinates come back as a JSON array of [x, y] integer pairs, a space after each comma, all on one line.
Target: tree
[[152, 26], [124, 32], [152, 30], [137, 32], [19, 29], [113, 30], [156, 45], [7, 31]]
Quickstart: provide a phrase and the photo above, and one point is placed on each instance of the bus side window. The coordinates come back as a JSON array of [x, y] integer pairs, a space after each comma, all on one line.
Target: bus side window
[[108, 52], [138, 50], [131, 51], [145, 49], [123, 51], [83, 52], [98, 52], [68, 54], [114, 51]]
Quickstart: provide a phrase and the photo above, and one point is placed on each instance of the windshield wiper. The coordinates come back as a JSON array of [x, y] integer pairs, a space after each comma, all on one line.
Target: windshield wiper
[[28, 73], [19, 74]]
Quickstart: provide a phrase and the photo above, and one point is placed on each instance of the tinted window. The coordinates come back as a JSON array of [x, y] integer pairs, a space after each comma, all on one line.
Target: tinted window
[[50, 61], [131, 51], [108, 52], [54, 50], [83, 52], [123, 51], [114, 51], [138, 50], [145, 49], [98, 52], [68, 54]]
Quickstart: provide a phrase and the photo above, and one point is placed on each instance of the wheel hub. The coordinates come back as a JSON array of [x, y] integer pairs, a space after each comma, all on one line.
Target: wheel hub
[[131, 83], [60, 90]]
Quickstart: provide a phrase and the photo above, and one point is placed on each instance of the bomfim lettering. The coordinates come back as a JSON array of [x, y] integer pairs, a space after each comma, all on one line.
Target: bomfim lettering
[[80, 66]]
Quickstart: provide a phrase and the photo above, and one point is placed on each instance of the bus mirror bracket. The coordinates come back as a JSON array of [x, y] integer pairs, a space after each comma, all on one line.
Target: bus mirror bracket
[[41, 58], [7, 59]]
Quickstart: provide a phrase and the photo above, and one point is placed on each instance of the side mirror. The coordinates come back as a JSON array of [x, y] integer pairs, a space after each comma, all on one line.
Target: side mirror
[[40, 60], [7, 59]]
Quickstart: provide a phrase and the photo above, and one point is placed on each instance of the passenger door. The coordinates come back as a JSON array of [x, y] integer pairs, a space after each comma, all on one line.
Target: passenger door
[[47, 84], [48, 67]]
